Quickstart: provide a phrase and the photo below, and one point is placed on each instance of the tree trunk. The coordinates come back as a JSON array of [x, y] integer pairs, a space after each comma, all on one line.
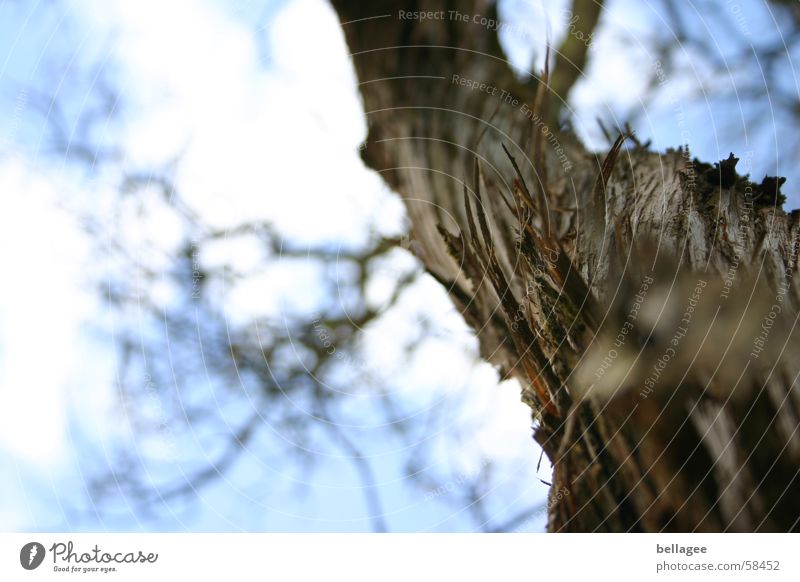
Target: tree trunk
[[644, 301]]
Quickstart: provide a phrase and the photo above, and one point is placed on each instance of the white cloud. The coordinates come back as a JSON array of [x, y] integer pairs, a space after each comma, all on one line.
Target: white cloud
[[257, 144], [41, 307]]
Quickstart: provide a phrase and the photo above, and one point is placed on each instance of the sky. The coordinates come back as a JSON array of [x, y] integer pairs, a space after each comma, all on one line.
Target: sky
[[264, 94], [199, 97]]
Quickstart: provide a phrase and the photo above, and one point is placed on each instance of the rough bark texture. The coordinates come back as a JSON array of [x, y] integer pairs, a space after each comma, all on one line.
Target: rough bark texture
[[645, 301]]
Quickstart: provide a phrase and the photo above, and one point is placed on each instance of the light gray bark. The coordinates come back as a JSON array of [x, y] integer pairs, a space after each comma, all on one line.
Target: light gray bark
[[633, 294]]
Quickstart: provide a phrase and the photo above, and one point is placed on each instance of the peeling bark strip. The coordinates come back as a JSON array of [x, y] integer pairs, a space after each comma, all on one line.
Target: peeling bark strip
[[547, 263]]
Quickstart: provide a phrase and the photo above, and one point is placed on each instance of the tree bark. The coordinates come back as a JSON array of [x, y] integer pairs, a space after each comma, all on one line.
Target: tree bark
[[645, 301]]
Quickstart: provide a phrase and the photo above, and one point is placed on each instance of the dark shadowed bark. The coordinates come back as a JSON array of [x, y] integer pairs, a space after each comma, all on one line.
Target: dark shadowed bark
[[645, 301]]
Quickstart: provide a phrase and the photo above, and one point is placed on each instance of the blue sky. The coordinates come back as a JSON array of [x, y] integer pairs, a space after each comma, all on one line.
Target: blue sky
[[242, 88]]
